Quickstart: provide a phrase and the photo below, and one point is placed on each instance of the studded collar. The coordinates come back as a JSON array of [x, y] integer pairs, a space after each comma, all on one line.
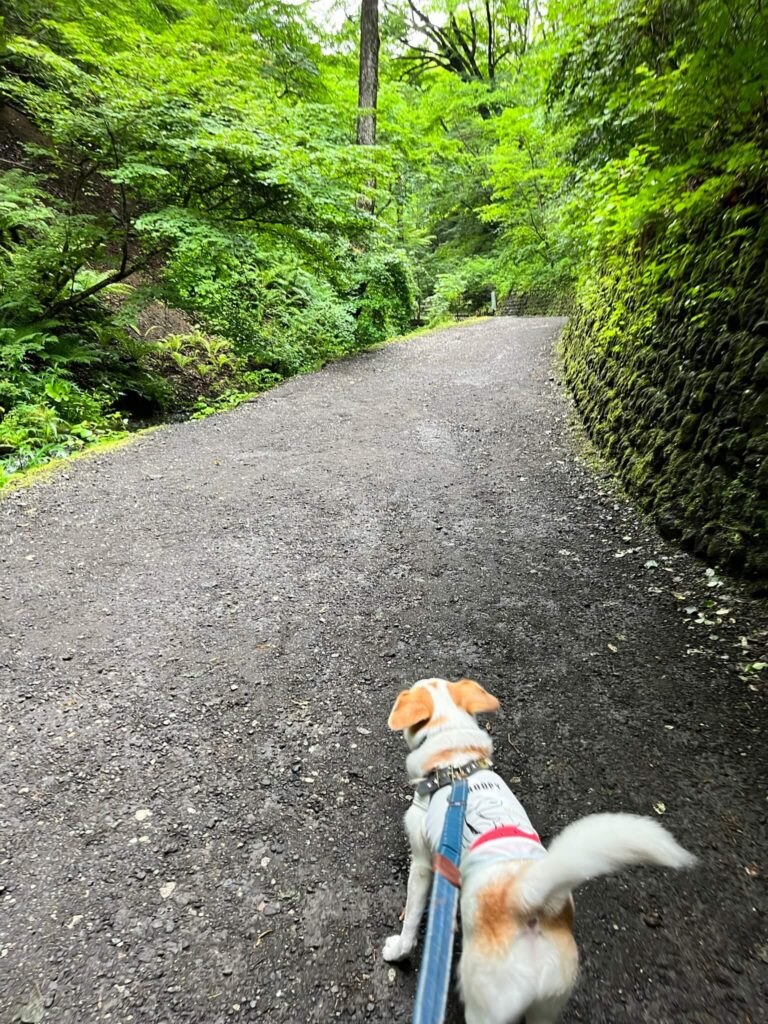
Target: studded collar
[[429, 784]]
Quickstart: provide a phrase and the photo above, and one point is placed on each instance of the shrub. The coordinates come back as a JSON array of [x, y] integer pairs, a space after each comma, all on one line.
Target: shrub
[[386, 297]]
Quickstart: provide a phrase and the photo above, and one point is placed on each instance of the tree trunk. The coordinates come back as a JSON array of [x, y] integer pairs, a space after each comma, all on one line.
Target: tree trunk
[[368, 82], [400, 207]]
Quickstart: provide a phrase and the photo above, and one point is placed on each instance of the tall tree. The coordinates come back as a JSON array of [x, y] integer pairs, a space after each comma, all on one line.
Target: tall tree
[[368, 81]]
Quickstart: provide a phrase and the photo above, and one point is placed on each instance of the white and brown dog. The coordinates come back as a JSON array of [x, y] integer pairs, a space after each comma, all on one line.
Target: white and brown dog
[[519, 958]]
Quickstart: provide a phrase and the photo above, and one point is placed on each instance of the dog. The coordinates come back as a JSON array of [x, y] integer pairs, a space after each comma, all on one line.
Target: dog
[[519, 958]]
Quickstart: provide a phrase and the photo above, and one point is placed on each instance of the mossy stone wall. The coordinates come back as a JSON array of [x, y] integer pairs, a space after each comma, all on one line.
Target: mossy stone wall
[[669, 369]]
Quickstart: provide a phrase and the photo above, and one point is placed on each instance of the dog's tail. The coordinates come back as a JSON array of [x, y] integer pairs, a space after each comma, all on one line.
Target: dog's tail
[[596, 845]]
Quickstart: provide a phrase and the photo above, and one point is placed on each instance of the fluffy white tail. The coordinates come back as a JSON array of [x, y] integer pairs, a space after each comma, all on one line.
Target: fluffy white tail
[[597, 845]]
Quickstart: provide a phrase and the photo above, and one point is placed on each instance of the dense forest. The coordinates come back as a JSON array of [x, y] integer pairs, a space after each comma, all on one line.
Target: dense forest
[[199, 198]]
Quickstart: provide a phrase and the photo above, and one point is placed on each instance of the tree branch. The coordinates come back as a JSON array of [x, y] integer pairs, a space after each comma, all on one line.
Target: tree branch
[[491, 43], [459, 35], [114, 278]]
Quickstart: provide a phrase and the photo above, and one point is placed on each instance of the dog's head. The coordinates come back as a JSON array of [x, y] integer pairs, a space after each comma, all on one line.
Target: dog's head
[[436, 703]]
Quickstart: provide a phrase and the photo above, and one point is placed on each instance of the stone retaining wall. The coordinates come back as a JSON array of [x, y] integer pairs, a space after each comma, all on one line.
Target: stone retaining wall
[[671, 377]]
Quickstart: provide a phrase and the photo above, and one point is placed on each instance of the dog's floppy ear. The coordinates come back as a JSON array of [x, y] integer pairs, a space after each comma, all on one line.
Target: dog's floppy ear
[[470, 696], [411, 706]]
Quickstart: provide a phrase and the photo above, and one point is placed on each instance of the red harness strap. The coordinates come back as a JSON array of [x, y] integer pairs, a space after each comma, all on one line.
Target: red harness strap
[[505, 832]]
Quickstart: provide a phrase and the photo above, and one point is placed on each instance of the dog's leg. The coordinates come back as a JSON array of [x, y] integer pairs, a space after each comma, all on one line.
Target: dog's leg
[[398, 947]]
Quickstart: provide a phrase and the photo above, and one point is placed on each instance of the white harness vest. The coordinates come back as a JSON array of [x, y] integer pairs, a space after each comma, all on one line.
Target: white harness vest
[[492, 807]]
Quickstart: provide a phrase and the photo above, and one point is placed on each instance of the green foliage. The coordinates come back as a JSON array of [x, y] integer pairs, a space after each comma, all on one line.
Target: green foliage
[[387, 300], [464, 290], [64, 419], [193, 153], [253, 382]]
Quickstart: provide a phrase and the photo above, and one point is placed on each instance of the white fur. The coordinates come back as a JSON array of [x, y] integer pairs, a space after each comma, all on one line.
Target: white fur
[[597, 845], [533, 977]]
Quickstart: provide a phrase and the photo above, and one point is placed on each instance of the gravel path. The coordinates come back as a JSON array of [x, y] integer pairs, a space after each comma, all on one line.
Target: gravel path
[[201, 637]]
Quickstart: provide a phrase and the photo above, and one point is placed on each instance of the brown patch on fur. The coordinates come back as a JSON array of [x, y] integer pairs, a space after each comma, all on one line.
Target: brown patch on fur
[[411, 707], [559, 930], [567, 914], [471, 696], [498, 921], [451, 755], [495, 924]]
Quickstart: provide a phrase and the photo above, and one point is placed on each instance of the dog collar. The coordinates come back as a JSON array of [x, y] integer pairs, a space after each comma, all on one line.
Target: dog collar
[[441, 777]]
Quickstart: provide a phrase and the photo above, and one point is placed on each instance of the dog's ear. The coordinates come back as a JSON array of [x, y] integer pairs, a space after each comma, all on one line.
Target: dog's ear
[[471, 696], [411, 706]]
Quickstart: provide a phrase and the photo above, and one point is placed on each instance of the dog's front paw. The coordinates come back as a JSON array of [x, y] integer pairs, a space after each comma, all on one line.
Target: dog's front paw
[[395, 948]]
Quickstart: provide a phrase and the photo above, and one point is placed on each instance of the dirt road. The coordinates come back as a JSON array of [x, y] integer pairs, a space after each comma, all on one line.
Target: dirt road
[[201, 637]]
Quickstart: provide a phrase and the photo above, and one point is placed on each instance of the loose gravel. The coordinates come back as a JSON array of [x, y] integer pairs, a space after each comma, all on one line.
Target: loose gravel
[[202, 634]]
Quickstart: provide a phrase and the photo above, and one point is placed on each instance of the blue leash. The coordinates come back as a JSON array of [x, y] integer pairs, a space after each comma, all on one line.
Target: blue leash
[[435, 971]]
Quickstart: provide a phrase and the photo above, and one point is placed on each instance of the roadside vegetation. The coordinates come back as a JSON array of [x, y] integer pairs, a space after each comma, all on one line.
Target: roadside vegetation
[[199, 199]]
